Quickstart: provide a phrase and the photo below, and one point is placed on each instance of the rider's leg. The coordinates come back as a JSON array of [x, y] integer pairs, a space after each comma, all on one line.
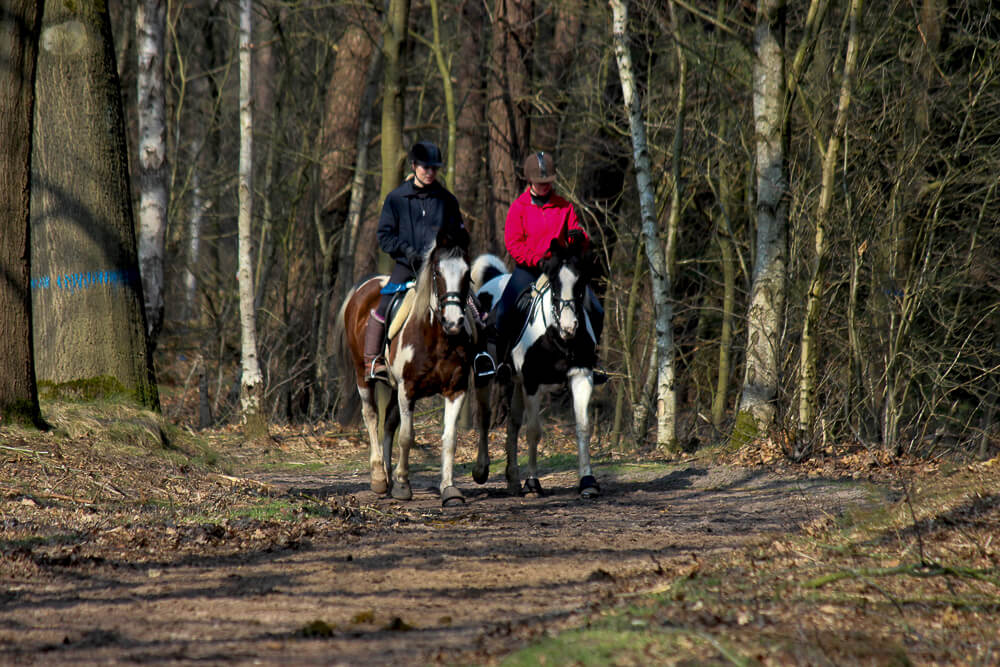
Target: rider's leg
[[374, 340], [504, 318], [375, 362]]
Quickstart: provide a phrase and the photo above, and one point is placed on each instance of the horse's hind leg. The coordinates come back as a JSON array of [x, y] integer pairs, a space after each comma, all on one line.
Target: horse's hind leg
[[513, 398], [401, 477], [389, 434], [452, 409], [481, 469], [532, 434], [377, 462]]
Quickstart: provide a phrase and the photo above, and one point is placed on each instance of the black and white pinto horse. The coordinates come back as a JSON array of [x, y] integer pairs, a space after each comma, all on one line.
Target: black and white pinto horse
[[556, 346], [430, 355]]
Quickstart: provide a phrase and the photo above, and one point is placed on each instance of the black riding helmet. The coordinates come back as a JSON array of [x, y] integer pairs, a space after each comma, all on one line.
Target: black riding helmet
[[426, 154]]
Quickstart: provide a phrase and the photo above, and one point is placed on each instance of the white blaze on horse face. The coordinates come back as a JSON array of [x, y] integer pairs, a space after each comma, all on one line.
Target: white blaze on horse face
[[568, 320], [453, 269]]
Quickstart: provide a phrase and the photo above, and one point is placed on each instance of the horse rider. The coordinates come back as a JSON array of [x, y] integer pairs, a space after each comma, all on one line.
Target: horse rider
[[534, 219], [411, 217]]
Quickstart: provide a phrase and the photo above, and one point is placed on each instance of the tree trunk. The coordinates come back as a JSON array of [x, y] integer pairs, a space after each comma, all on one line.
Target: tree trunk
[[19, 30], [393, 155], [666, 400], [765, 314], [251, 383], [814, 297], [89, 322], [469, 164], [508, 92], [150, 26]]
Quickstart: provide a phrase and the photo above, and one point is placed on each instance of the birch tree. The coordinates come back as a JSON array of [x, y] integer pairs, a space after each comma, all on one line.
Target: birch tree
[[765, 312], [150, 23], [666, 401], [19, 27], [252, 382]]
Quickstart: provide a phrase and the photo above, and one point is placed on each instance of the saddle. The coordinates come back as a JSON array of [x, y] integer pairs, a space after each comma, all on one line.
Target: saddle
[[399, 308]]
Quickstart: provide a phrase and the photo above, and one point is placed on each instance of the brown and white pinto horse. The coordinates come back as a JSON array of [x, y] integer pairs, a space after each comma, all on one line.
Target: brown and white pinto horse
[[430, 355], [556, 346]]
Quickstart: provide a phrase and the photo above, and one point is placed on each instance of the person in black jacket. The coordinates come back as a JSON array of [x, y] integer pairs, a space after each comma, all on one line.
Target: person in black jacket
[[411, 217]]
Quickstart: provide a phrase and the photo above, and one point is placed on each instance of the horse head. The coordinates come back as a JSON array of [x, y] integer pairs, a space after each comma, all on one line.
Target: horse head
[[448, 270], [569, 266]]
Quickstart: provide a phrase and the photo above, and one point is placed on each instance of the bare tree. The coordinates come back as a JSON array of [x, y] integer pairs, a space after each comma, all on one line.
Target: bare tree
[[150, 26], [252, 382], [508, 91], [765, 313], [19, 28], [666, 401], [815, 295]]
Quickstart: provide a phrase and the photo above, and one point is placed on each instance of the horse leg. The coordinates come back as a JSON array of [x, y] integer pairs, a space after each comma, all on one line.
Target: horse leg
[[377, 463], [390, 424], [513, 396], [581, 385], [532, 434], [450, 494], [401, 478], [481, 469]]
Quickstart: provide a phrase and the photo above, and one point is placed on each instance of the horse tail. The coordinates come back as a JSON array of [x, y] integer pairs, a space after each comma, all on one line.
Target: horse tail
[[484, 269], [349, 403]]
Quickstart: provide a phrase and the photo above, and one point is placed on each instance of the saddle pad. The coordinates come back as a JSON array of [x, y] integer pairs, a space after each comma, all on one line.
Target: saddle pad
[[400, 315]]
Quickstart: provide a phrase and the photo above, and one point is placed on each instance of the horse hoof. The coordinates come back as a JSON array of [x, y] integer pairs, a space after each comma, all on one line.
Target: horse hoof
[[589, 488], [402, 491], [452, 496], [380, 486], [533, 488], [480, 476]]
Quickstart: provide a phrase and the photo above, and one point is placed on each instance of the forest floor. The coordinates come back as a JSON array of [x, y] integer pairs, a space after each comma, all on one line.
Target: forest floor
[[124, 539]]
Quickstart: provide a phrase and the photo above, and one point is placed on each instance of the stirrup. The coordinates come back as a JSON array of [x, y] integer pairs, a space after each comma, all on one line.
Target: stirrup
[[381, 375], [484, 370]]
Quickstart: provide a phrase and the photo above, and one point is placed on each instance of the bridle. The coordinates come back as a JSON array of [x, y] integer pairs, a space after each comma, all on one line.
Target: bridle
[[449, 298]]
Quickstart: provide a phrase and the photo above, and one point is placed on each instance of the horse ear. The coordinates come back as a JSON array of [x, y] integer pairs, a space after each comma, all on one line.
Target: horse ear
[[447, 237]]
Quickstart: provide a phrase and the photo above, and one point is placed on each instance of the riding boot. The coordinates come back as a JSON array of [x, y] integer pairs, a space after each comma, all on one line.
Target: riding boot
[[374, 340], [595, 313]]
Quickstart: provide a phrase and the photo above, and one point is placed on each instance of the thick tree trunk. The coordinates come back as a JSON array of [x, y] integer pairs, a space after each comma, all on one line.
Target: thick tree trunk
[[469, 163], [393, 155], [252, 382], [20, 21], [765, 314], [666, 401], [150, 24], [508, 92], [89, 322]]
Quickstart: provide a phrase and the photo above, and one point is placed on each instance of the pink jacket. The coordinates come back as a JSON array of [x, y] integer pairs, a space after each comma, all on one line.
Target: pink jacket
[[530, 229]]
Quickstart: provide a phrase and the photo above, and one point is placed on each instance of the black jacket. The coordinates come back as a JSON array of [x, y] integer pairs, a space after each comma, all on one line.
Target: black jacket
[[411, 218]]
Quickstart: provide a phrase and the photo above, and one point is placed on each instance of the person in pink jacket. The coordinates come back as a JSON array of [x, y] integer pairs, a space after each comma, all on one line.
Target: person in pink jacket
[[534, 219]]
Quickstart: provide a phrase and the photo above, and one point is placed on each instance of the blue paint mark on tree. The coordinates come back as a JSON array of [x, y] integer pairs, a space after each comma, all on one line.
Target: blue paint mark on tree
[[87, 279]]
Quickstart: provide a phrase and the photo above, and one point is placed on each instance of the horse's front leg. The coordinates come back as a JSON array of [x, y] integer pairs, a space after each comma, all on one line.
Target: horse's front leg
[[401, 478], [450, 494], [481, 469], [532, 434], [581, 385], [376, 461]]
